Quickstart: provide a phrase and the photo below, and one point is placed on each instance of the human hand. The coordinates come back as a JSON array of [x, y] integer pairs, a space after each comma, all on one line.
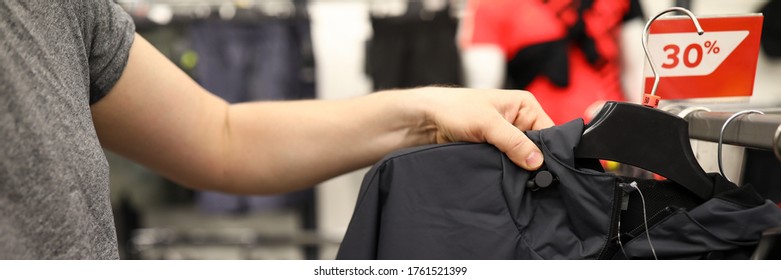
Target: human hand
[[497, 117]]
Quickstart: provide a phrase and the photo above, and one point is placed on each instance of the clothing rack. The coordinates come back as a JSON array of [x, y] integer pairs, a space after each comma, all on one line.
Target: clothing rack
[[758, 131], [227, 237], [752, 130], [163, 12], [151, 240], [258, 3]]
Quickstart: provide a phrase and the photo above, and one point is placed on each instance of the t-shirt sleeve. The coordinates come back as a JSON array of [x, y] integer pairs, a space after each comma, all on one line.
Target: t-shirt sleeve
[[110, 33]]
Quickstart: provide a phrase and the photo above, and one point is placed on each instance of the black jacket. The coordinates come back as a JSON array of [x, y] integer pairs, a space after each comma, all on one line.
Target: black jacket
[[469, 201]]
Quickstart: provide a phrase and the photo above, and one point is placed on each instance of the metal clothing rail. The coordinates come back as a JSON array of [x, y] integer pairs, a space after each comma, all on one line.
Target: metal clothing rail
[[154, 242], [227, 237], [752, 131]]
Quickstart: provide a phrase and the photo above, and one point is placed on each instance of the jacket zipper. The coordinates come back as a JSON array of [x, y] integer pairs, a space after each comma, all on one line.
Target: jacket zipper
[[621, 199]]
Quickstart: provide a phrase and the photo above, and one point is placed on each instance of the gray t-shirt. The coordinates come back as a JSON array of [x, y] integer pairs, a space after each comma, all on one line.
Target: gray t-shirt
[[56, 58]]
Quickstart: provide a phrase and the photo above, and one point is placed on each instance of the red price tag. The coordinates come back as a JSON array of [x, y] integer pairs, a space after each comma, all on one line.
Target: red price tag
[[719, 63]]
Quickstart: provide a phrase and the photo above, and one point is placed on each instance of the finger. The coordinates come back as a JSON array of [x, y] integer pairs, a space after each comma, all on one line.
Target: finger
[[510, 140], [531, 115]]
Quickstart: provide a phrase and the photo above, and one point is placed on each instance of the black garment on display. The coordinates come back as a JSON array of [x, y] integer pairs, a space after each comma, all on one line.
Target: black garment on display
[[551, 59], [263, 58], [416, 49], [761, 170], [469, 201], [771, 28]]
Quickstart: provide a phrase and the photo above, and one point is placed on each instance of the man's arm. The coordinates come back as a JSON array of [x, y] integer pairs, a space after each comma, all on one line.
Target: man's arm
[[158, 116]]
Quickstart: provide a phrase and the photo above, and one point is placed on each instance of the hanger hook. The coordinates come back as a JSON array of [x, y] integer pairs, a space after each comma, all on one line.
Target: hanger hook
[[645, 39], [721, 135]]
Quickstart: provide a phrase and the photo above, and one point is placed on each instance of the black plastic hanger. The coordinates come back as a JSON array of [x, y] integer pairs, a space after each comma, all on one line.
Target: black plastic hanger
[[646, 137]]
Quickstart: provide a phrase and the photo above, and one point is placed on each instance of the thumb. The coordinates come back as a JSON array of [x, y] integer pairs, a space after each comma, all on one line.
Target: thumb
[[513, 142]]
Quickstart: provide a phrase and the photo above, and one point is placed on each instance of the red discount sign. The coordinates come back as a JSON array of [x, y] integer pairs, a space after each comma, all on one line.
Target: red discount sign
[[719, 63]]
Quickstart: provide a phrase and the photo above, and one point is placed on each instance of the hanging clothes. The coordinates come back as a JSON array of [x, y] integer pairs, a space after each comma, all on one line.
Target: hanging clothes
[[416, 49], [251, 58], [469, 201], [771, 28], [761, 169], [565, 52], [268, 59]]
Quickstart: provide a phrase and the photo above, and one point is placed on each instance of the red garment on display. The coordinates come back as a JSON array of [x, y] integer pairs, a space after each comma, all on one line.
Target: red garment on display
[[516, 24]]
